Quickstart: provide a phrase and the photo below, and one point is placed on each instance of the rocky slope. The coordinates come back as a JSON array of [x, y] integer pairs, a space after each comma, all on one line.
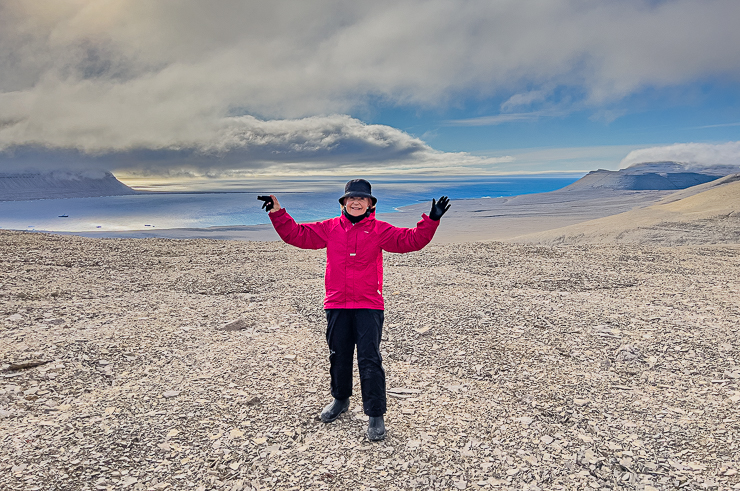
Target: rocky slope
[[704, 214], [650, 176], [509, 367], [25, 186]]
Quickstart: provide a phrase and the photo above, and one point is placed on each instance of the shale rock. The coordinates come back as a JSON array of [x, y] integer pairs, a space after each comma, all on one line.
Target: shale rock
[[547, 368]]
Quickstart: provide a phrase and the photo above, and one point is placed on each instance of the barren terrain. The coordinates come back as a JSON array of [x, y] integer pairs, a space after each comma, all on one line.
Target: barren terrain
[[509, 367], [704, 214]]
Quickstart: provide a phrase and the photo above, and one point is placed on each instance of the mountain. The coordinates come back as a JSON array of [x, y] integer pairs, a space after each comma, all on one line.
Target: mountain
[[650, 176], [25, 186], [704, 214]]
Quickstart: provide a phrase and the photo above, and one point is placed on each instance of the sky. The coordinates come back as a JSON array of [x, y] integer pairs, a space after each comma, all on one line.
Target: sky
[[172, 89]]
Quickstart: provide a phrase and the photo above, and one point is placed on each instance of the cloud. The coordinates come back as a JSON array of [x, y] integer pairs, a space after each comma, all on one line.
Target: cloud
[[245, 145], [563, 160], [125, 76], [495, 119], [696, 155], [523, 99], [721, 125], [506, 118]]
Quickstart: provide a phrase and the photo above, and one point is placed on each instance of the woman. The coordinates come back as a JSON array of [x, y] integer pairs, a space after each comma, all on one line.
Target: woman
[[354, 243]]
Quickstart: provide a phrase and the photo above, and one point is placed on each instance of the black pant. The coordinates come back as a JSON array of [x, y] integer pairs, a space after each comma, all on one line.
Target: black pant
[[345, 329]]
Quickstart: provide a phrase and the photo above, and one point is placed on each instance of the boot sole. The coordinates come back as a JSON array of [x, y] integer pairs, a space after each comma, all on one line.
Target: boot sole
[[327, 420], [375, 438]]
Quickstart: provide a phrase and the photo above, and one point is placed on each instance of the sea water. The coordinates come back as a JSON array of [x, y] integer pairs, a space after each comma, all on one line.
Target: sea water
[[306, 200]]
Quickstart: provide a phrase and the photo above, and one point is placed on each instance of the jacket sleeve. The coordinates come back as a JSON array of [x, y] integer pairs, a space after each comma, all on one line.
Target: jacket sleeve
[[396, 239], [304, 235]]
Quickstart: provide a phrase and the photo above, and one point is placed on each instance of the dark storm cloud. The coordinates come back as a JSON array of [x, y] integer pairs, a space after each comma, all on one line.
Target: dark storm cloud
[[116, 80]]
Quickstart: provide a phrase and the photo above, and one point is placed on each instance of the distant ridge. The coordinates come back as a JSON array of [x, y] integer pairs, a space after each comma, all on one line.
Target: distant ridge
[[650, 176], [27, 186], [705, 214]]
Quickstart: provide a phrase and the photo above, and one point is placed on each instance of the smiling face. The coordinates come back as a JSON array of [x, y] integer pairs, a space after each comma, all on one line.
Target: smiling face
[[357, 206]]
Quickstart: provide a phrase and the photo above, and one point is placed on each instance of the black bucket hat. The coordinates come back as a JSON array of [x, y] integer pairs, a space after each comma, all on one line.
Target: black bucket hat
[[358, 188]]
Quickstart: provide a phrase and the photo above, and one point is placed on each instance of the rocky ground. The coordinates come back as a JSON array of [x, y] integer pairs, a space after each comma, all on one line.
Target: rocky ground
[[509, 367]]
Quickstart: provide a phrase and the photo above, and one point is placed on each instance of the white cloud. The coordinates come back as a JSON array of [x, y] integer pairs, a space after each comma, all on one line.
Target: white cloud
[[722, 125], [95, 77], [245, 145], [696, 155], [523, 99], [495, 119], [507, 118], [563, 160]]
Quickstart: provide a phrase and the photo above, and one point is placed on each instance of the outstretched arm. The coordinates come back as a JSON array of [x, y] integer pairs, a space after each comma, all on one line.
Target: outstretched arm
[[396, 239], [305, 235]]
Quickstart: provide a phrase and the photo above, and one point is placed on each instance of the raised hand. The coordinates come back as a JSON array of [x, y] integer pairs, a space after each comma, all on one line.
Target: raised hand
[[439, 208], [270, 203]]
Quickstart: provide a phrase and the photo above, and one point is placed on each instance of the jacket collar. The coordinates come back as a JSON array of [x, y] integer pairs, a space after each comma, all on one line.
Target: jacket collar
[[346, 224]]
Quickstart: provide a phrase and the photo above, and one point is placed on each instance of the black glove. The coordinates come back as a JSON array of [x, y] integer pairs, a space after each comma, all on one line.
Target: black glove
[[268, 203], [439, 208]]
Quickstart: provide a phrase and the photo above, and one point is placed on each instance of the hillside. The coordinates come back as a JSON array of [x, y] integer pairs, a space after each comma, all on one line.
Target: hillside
[[26, 186], [650, 176], [704, 214]]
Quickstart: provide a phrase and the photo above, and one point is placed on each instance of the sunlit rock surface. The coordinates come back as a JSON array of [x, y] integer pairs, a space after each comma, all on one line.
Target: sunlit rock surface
[[25, 186], [651, 176]]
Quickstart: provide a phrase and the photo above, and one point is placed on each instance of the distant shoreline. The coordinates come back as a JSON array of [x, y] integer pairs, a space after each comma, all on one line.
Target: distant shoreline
[[231, 206], [144, 192], [502, 218], [509, 217]]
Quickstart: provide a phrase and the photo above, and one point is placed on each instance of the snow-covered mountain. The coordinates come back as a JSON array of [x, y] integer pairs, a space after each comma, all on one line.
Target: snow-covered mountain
[[25, 186], [651, 175]]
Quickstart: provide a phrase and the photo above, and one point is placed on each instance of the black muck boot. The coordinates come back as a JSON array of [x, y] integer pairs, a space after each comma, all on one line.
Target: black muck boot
[[333, 410], [376, 429]]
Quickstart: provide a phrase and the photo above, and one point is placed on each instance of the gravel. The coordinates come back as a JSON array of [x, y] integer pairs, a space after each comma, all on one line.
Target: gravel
[[194, 364]]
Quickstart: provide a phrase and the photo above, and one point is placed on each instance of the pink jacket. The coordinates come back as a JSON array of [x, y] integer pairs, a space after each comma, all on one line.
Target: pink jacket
[[354, 253]]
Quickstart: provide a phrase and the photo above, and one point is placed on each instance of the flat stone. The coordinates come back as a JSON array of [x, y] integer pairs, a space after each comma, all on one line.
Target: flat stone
[[454, 388], [170, 393], [27, 364], [128, 481], [235, 325], [403, 390]]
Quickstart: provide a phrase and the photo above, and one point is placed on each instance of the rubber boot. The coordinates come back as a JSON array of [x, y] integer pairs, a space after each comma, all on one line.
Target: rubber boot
[[376, 429], [333, 410]]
